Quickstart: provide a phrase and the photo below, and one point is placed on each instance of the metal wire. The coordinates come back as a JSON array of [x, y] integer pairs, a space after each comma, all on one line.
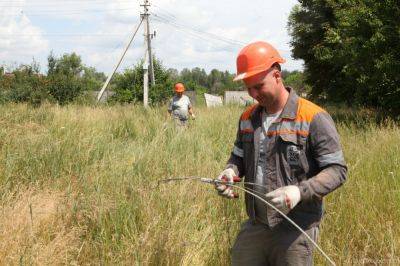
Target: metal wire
[[255, 194], [288, 219], [198, 178], [162, 181]]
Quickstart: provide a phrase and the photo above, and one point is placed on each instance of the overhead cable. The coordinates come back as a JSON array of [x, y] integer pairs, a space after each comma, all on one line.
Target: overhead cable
[[58, 3], [212, 35], [205, 34], [63, 12]]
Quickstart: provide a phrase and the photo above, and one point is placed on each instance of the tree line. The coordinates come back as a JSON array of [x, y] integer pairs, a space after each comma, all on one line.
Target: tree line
[[69, 80], [350, 48]]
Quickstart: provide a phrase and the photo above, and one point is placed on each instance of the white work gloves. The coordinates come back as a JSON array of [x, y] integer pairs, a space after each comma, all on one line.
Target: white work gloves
[[284, 198], [225, 190], [193, 116]]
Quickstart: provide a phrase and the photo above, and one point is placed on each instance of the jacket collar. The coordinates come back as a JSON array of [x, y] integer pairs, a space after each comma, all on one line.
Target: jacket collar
[[290, 109]]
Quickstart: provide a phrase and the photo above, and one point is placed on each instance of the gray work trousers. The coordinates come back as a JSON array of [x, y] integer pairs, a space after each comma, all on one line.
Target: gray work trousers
[[257, 244], [180, 123]]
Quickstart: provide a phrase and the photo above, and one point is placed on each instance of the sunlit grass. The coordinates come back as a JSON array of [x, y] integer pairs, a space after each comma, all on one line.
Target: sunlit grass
[[96, 170]]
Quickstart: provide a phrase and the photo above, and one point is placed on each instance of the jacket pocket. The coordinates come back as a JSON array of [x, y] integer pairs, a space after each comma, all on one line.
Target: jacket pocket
[[292, 156]]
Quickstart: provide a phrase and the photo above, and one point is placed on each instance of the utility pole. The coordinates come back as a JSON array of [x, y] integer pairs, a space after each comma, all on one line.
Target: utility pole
[[148, 59], [149, 38]]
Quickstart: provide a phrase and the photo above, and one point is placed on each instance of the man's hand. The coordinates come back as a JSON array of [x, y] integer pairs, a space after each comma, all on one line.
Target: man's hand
[[284, 198], [193, 116], [225, 190]]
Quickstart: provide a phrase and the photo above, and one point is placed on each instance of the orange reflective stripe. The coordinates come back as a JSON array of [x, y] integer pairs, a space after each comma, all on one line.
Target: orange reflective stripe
[[307, 110], [246, 126], [246, 114], [288, 132], [300, 125], [247, 130]]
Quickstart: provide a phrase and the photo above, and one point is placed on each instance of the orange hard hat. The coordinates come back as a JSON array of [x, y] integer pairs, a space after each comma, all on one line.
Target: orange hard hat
[[255, 58], [179, 87]]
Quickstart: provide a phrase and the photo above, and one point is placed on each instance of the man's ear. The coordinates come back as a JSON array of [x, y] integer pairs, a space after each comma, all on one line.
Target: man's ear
[[277, 75]]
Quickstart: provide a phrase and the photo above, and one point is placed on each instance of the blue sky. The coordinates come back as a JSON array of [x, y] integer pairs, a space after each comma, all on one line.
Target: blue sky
[[189, 33]]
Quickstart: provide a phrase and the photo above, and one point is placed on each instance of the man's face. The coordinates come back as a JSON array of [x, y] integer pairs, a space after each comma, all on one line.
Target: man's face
[[264, 86], [179, 94]]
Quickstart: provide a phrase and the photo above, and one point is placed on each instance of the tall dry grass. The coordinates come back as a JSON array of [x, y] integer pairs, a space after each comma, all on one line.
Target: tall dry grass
[[78, 185]]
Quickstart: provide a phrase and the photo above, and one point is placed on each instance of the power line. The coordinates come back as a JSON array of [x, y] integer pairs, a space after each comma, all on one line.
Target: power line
[[166, 11], [201, 34], [173, 19], [64, 2], [119, 44], [189, 33], [192, 34], [197, 32], [80, 35], [72, 12], [54, 7], [211, 35]]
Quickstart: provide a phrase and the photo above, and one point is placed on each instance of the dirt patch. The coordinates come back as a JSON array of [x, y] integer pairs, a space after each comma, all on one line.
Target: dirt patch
[[36, 228]]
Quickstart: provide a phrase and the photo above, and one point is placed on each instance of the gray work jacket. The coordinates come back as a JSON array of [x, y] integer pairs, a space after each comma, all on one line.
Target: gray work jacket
[[303, 149]]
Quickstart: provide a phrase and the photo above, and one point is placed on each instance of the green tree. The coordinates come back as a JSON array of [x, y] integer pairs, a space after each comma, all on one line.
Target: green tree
[[67, 65], [129, 85], [369, 32], [65, 77], [296, 80], [92, 80], [24, 84], [351, 49], [173, 73], [309, 24]]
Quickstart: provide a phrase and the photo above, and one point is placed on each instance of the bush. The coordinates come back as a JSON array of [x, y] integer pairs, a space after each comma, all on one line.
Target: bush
[[24, 84], [128, 86]]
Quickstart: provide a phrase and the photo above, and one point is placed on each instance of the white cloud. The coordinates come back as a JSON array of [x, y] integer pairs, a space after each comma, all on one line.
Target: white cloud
[[190, 33], [227, 20], [20, 40]]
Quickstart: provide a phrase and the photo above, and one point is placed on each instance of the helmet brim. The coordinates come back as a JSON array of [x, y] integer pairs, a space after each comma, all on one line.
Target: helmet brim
[[260, 69]]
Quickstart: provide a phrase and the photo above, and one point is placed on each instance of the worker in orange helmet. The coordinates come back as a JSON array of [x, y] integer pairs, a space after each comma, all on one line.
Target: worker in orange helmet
[[289, 148], [180, 106]]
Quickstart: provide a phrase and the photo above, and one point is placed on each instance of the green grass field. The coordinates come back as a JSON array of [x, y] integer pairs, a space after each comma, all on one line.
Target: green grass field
[[78, 186]]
